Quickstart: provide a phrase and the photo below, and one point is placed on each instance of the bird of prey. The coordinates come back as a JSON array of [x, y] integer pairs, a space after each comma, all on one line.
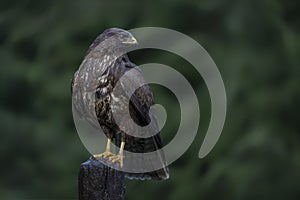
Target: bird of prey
[[103, 66]]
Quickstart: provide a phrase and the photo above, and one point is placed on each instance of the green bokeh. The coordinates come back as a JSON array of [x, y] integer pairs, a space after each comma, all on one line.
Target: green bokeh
[[255, 44]]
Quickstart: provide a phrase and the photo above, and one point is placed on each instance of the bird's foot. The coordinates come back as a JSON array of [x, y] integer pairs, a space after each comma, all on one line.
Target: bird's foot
[[106, 154], [117, 158]]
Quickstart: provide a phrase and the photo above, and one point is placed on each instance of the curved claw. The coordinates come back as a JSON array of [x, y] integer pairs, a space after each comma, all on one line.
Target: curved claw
[[106, 154], [117, 158]]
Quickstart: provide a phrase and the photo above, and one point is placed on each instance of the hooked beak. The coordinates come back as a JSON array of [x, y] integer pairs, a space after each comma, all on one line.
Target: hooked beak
[[132, 41]]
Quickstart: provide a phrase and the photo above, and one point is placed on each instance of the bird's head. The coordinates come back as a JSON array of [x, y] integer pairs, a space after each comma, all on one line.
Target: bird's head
[[114, 39]]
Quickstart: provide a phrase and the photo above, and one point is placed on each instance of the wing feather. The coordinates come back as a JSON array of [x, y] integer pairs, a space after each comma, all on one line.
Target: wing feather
[[140, 104]]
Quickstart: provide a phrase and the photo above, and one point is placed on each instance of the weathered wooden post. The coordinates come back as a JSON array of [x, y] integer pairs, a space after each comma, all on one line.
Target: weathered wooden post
[[96, 181]]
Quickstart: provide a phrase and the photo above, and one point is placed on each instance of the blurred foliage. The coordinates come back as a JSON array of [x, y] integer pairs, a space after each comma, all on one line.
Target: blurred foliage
[[255, 44]]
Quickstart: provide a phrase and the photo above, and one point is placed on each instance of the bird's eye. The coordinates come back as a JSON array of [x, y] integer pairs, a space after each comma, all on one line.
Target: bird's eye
[[122, 36]]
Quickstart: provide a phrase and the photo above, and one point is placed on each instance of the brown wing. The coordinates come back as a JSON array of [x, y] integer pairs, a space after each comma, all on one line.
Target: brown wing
[[140, 103]]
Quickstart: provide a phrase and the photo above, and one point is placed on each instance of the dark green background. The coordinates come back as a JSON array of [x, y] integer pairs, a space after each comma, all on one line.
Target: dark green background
[[255, 44]]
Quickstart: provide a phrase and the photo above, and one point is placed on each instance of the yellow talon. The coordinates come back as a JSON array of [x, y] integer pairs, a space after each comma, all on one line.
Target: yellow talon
[[107, 152], [119, 157], [112, 157]]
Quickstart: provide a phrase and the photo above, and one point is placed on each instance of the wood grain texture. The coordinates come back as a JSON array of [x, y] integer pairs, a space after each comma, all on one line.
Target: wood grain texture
[[97, 181]]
